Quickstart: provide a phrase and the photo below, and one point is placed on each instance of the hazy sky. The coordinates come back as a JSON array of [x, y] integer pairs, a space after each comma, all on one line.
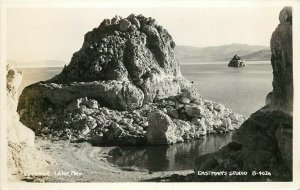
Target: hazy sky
[[56, 33]]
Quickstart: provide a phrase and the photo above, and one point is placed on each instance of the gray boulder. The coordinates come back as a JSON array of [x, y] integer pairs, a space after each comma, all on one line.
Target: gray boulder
[[161, 129], [194, 110]]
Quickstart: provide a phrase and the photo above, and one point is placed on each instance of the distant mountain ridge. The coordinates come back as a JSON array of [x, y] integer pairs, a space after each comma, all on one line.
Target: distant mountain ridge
[[260, 55], [185, 54], [222, 53], [41, 63]]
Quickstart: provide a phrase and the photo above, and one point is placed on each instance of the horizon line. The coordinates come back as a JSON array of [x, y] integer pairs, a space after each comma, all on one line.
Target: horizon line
[[38, 60]]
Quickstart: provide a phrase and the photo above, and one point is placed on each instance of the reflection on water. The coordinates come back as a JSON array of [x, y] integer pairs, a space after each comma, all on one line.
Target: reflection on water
[[168, 158]]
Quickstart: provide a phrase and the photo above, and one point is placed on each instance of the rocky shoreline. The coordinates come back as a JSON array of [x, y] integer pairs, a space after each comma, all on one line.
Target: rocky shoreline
[[85, 120]]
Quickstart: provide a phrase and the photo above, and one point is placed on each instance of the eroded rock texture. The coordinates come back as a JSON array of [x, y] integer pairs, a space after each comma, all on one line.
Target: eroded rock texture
[[17, 132], [123, 63], [282, 63], [266, 138], [24, 159]]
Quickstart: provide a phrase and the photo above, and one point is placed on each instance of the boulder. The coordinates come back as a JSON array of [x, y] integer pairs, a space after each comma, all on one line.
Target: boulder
[[184, 127], [201, 126], [191, 94], [236, 118], [38, 98], [219, 107], [161, 129], [185, 100], [193, 110]]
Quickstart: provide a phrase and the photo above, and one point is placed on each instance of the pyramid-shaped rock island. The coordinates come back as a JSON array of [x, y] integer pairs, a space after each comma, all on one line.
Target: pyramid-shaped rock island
[[124, 86], [236, 61]]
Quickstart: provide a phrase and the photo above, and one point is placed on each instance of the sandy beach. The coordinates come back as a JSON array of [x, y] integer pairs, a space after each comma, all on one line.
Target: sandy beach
[[82, 162]]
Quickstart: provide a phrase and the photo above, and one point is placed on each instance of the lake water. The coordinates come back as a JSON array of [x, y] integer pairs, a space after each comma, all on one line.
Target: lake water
[[167, 157], [33, 75], [241, 89]]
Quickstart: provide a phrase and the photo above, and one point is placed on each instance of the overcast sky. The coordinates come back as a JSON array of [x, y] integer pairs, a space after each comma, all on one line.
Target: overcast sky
[[56, 33]]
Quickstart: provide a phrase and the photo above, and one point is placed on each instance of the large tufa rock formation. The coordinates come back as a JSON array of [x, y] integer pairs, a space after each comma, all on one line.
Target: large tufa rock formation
[[122, 64], [281, 98], [125, 69], [265, 139]]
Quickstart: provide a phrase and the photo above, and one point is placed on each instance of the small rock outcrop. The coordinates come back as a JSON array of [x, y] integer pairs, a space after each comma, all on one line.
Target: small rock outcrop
[[125, 70], [236, 61], [265, 140], [24, 158]]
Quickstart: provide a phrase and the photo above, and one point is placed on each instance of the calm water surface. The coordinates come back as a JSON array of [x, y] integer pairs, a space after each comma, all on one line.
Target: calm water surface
[[241, 89], [33, 75], [168, 157]]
